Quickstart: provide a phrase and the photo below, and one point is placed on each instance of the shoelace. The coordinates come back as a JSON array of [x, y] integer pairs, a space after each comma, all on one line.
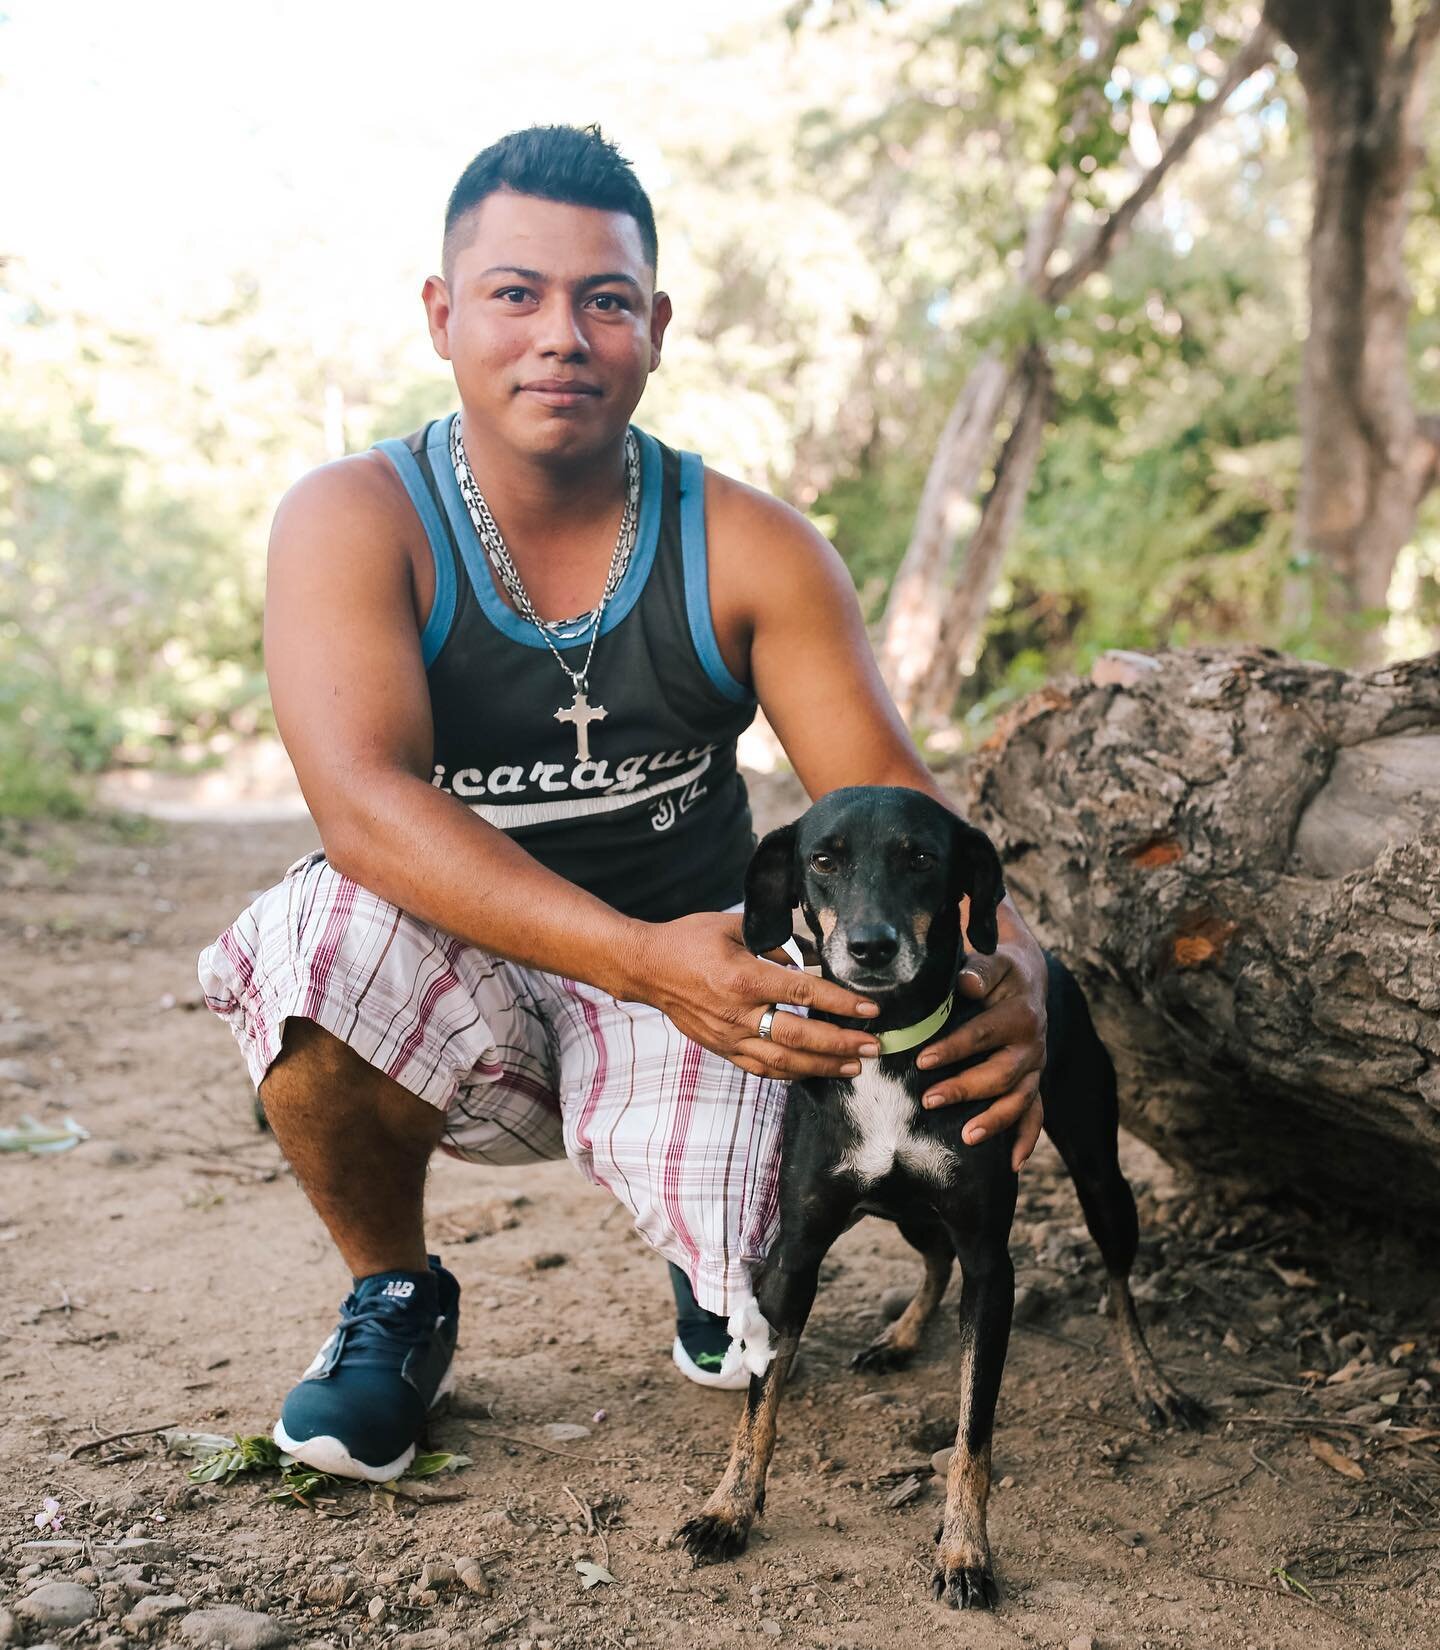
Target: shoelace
[[380, 1325]]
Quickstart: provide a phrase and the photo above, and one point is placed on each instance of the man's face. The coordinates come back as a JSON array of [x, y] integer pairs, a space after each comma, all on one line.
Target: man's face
[[551, 322]]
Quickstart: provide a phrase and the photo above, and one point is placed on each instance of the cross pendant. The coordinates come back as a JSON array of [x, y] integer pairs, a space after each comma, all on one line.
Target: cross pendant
[[582, 714]]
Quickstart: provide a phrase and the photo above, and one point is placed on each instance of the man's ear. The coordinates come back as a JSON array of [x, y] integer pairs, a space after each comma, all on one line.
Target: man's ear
[[975, 870], [771, 892]]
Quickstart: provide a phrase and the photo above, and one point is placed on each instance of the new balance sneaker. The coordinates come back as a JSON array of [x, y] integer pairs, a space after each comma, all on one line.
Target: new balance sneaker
[[361, 1406], [701, 1340]]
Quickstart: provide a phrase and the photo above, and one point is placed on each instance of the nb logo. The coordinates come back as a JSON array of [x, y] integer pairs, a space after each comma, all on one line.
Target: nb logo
[[401, 1291]]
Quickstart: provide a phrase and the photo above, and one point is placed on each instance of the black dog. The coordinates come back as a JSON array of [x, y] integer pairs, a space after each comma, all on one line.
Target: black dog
[[879, 873]]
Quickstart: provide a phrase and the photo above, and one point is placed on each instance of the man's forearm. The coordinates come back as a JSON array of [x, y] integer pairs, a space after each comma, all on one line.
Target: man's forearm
[[426, 852]]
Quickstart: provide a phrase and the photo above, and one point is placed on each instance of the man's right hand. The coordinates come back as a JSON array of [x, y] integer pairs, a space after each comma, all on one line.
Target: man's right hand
[[697, 971]]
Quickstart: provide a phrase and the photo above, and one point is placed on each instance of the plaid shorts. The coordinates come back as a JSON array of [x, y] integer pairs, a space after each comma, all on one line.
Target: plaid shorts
[[525, 1065]]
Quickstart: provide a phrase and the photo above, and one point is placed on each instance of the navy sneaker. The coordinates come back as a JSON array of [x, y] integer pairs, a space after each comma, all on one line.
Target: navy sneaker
[[701, 1340], [361, 1406]]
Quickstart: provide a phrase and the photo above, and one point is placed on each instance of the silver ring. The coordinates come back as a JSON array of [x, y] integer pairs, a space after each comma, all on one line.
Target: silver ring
[[767, 1019]]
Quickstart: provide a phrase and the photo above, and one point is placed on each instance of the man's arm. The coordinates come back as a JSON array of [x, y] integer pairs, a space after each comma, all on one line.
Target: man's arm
[[780, 589], [347, 678]]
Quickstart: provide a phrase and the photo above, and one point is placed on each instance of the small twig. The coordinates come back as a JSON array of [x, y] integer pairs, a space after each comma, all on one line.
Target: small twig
[[1064, 1340], [1105, 1421], [1260, 1461], [569, 1454], [115, 1437], [1281, 1592]]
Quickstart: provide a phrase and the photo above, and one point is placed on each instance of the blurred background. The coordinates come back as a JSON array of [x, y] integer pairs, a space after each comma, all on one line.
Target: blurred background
[[1010, 298]]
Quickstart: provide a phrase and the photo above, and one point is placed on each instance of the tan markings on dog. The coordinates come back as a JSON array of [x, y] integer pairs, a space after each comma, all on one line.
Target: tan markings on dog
[[827, 920], [901, 1339], [723, 1524], [964, 1543], [922, 927], [1161, 1401]]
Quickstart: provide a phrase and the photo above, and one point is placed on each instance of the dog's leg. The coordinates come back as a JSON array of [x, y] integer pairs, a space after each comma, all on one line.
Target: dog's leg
[[785, 1293], [1082, 1118], [899, 1341], [963, 1576]]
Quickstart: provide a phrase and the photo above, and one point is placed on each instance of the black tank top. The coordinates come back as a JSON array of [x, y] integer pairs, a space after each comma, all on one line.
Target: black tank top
[[656, 822]]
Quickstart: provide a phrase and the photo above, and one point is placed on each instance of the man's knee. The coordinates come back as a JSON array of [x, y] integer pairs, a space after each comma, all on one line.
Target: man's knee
[[318, 1082]]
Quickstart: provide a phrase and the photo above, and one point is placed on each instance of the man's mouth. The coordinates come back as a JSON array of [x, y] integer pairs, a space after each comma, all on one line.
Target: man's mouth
[[561, 392]]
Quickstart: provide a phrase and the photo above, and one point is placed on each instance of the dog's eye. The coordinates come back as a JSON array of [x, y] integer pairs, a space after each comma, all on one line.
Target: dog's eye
[[824, 863], [920, 860]]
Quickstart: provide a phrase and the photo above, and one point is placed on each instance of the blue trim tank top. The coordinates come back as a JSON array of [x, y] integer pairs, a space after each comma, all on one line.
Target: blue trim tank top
[[655, 819]]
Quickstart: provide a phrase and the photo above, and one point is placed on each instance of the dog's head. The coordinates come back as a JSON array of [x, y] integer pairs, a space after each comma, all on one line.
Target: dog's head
[[879, 873]]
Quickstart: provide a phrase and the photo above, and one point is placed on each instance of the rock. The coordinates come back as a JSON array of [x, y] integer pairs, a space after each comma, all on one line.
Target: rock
[[57, 1604], [152, 1609], [1029, 1304], [770, 1627], [430, 1638], [1082, 1641], [9, 1630], [565, 1432], [436, 1575], [17, 1071], [940, 1461], [893, 1302], [229, 1626], [18, 1035], [471, 1577], [332, 1591], [376, 1608]]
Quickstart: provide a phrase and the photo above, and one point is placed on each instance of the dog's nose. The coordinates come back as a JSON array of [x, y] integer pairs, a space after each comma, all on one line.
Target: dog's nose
[[873, 946]]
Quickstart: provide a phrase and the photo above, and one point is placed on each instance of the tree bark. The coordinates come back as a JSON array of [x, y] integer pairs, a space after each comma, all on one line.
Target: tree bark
[[1239, 856], [1367, 458]]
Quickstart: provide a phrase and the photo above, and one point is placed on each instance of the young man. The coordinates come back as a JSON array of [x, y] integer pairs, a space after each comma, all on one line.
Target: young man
[[510, 658]]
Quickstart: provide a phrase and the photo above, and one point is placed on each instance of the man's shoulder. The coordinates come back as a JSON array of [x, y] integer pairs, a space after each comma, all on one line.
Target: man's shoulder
[[353, 505], [746, 522]]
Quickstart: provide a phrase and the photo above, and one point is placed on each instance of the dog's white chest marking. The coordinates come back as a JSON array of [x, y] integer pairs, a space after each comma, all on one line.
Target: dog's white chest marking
[[881, 1112]]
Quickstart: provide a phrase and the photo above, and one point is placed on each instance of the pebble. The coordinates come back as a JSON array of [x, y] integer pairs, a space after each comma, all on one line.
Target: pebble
[[471, 1577], [436, 1575], [8, 1628], [565, 1432], [1081, 1641], [17, 1071], [57, 1604], [940, 1461], [228, 1625], [771, 1627], [148, 1611], [893, 1302], [376, 1608]]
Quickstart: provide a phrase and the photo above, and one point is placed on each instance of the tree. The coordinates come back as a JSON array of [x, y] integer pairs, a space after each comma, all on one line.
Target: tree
[[1368, 457], [935, 618]]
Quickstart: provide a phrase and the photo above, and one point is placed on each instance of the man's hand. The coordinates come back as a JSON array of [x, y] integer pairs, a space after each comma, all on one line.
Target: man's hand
[[1011, 1029], [697, 971]]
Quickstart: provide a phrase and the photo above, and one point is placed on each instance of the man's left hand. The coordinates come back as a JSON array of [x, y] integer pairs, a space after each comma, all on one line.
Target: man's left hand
[[1011, 1030]]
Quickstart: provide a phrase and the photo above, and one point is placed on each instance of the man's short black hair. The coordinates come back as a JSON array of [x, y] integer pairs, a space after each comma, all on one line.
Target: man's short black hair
[[574, 165]]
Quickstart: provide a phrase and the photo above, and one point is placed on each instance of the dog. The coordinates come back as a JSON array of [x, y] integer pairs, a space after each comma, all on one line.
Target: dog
[[879, 873]]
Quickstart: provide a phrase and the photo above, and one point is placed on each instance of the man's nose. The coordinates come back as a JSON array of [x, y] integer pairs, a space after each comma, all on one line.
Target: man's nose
[[874, 945], [560, 330]]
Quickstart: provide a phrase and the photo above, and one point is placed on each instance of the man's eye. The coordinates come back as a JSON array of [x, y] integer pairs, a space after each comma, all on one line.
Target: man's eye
[[822, 863], [609, 302], [513, 294]]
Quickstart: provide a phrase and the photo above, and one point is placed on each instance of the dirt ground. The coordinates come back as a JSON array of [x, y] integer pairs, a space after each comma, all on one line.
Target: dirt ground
[[167, 1271]]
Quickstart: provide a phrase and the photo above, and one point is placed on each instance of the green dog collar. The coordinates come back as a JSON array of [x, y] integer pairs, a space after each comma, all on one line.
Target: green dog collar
[[896, 1042]]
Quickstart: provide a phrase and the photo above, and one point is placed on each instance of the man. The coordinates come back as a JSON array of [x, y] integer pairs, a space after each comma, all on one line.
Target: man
[[510, 658]]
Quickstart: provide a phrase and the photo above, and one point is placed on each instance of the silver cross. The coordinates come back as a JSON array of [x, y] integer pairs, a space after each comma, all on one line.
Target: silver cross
[[582, 714]]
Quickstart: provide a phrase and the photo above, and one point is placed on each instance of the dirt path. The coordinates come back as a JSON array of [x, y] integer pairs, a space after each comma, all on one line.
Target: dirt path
[[168, 1271]]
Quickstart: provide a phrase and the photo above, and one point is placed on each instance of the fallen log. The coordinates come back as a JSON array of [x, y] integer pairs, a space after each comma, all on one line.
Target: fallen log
[[1239, 855]]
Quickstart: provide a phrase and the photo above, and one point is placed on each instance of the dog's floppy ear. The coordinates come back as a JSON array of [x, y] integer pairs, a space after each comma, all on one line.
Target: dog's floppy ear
[[975, 870], [771, 892]]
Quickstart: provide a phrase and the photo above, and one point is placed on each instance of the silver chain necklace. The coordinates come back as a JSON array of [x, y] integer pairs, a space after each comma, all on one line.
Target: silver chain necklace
[[580, 711]]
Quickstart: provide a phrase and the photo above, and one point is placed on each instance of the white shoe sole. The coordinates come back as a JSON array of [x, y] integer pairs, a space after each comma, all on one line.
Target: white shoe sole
[[327, 1454]]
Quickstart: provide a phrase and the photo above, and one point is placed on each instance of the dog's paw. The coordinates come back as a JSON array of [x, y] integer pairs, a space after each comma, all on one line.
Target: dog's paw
[[1163, 1405], [710, 1539], [881, 1358], [964, 1586]]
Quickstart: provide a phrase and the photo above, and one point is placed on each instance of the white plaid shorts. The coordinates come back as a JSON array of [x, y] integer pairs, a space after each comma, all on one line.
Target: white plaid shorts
[[525, 1065]]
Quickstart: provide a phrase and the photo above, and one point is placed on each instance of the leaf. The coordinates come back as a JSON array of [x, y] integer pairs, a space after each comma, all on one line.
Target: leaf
[[1334, 1459], [426, 1466], [35, 1137], [1293, 1279], [593, 1575]]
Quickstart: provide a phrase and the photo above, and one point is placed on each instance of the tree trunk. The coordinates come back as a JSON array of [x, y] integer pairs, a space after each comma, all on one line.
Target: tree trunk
[[1239, 856], [1367, 459], [967, 605]]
